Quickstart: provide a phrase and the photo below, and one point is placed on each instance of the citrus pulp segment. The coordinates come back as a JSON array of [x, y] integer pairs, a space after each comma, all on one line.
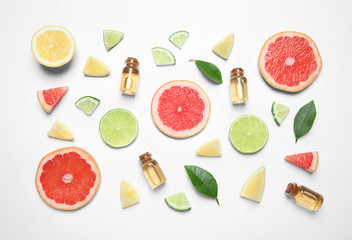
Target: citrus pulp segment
[[180, 108], [67, 178], [128, 194], [118, 128], [178, 202], [224, 47], [253, 188], [308, 161], [87, 104], [95, 68], [279, 112], [53, 46], [248, 134], [211, 148], [60, 131], [50, 97], [111, 38], [290, 61], [179, 38], [163, 56]]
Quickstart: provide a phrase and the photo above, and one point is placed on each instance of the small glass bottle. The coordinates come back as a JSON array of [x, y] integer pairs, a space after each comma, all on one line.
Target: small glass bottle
[[304, 196], [239, 89], [130, 77], [152, 170]]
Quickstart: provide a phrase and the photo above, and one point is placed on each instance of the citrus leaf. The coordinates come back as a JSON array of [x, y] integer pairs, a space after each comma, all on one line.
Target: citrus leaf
[[203, 181], [209, 69], [304, 119]]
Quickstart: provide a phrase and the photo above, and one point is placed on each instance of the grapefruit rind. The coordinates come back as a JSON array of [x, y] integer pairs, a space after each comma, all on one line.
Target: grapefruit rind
[[302, 85], [169, 131], [48, 108], [89, 159], [314, 165]]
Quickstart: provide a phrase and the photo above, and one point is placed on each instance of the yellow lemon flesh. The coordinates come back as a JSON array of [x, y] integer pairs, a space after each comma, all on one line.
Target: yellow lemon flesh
[[253, 189], [95, 68], [224, 47], [60, 131], [53, 46], [211, 148], [128, 194]]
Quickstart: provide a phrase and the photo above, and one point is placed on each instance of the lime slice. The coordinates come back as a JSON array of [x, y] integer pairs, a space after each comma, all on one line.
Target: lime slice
[[87, 104], [118, 128], [224, 47], [211, 148], [248, 134], [111, 38], [279, 112], [178, 202], [163, 56], [128, 194], [179, 38], [253, 189]]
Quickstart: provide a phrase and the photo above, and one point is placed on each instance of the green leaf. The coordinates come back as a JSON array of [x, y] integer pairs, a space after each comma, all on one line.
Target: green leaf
[[203, 181], [209, 69], [304, 119]]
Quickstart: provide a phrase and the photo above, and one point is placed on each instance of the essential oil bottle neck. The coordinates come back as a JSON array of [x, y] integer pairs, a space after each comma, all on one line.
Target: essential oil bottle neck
[[132, 62], [292, 189], [145, 158]]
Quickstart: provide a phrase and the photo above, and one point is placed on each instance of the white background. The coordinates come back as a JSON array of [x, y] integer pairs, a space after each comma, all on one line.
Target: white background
[[146, 24]]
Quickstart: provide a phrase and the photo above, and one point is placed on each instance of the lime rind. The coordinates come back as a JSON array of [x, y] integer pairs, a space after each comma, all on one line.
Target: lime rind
[[179, 38], [111, 38], [178, 202], [163, 56], [87, 104], [248, 134], [118, 128], [279, 112]]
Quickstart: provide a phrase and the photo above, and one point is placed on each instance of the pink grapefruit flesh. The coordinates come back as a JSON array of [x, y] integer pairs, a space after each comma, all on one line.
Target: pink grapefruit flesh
[[307, 161], [50, 97], [180, 108], [290, 61], [67, 178]]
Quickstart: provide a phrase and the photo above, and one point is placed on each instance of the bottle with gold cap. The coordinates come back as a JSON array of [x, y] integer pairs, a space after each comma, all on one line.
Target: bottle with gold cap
[[304, 196], [152, 170], [130, 77], [239, 88]]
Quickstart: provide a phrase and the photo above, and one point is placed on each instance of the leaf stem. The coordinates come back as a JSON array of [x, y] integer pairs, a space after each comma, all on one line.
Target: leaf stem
[[217, 200], [191, 60]]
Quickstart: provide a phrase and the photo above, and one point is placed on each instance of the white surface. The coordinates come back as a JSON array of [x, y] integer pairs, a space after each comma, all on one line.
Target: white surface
[[146, 24]]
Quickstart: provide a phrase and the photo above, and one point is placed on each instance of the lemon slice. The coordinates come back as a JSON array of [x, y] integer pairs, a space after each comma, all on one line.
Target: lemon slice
[[128, 194], [111, 38], [211, 148], [253, 189], [60, 131], [224, 46], [53, 46], [95, 68]]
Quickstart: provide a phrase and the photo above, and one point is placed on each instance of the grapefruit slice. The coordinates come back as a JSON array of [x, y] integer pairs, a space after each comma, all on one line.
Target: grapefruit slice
[[180, 108], [67, 178], [50, 97], [290, 61], [307, 161]]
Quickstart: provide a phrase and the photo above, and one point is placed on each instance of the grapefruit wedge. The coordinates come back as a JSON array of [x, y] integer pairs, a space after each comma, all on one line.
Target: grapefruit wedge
[[180, 108], [67, 178], [290, 61], [50, 97], [307, 161]]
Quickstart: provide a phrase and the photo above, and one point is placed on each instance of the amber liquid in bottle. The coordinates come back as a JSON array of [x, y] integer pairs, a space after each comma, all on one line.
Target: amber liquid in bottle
[[239, 88], [305, 197], [130, 77], [152, 171]]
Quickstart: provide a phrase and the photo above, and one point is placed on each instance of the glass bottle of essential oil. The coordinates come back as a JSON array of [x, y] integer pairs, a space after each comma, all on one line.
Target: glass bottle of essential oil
[[304, 196], [152, 170], [239, 89], [130, 77]]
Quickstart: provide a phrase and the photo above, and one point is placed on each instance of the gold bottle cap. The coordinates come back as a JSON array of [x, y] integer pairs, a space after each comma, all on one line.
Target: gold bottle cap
[[145, 157], [132, 62], [237, 72], [292, 189]]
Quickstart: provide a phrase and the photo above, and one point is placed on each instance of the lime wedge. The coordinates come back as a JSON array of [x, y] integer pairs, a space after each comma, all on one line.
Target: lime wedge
[[163, 56], [279, 112], [178, 202], [224, 47], [111, 38], [87, 104], [128, 194], [179, 38], [248, 134], [118, 128], [253, 189]]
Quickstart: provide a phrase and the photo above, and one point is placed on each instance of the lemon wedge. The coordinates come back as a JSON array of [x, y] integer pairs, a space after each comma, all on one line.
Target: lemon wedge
[[128, 194], [60, 131], [95, 68], [224, 47], [211, 148], [253, 189]]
